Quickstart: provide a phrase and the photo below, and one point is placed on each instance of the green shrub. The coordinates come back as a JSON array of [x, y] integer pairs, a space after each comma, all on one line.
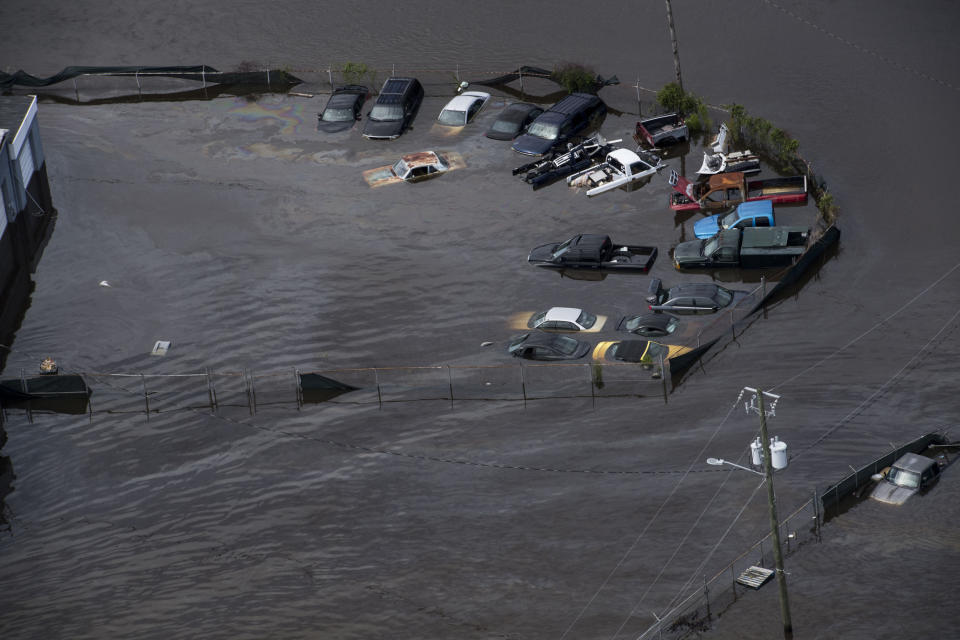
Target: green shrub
[[575, 78], [357, 72], [597, 375], [672, 98]]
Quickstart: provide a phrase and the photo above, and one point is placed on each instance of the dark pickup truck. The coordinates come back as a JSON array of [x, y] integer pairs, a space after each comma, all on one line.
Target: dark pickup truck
[[587, 251], [751, 247]]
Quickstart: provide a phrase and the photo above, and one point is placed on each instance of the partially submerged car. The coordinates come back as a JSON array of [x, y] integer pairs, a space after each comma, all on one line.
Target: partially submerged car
[[567, 319], [558, 124], [640, 351], [513, 121], [911, 473], [547, 346], [463, 108], [414, 167], [394, 110], [690, 298], [623, 169], [342, 109], [749, 214], [649, 325]]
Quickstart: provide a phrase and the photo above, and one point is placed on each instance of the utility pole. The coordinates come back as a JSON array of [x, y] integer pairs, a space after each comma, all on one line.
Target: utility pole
[[774, 522], [673, 39]]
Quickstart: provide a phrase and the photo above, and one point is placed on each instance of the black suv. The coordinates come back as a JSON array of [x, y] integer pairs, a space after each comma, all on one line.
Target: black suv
[[394, 109], [559, 123]]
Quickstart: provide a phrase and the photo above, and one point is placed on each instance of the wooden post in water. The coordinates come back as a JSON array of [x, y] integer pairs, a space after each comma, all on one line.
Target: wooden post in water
[[376, 378], [673, 41], [523, 387]]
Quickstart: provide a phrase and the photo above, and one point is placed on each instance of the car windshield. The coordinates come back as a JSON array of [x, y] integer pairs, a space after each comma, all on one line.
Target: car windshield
[[586, 320], [337, 115], [562, 248], [638, 321], [517, 342], [537, 319], [400, 169], [723, 296], [504, 126], [565, 345], [729, 220], [453, 118], [544, 130], [709, 246], [904, 478], [386, 112]]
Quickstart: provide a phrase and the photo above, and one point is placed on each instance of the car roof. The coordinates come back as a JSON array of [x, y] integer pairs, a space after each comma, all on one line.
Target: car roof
[[755, 208], [518, 110], [574, 102], [396, 85], [343, 99], [463, 101], [624, 156], [420, 159], [659, 320], [913, 462], [692, 288], [565, 314], [544, 339], [632, 350]]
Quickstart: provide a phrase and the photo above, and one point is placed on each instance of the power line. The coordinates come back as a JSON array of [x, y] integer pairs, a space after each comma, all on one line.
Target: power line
[[650, 522], [860, 48]]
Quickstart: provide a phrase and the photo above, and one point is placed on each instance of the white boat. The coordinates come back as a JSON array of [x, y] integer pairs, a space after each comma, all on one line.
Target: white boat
[[622, 169]]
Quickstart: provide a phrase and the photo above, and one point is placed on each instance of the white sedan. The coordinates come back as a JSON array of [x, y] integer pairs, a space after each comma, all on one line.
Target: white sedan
[[463, 108], [560, 319]]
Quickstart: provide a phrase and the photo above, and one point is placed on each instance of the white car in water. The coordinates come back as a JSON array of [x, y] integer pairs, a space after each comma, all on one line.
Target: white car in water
[[567, 319], [463, 108]]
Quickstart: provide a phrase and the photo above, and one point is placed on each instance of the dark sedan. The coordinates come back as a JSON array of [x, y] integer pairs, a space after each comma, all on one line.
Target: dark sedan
[[513, 121], [690, 298], [649, 325], [547, 346], [342, 109]]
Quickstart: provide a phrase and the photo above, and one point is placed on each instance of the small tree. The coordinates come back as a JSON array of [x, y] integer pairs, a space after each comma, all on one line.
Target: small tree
[[673, 98], [575, 77], [357, 72]]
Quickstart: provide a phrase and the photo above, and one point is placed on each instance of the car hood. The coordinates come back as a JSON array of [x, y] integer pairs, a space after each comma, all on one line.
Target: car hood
[[383, 128], [890, 493], [532, 145], [499, 135], [688, 251], [707, 227], [334, 127], [543, 253]]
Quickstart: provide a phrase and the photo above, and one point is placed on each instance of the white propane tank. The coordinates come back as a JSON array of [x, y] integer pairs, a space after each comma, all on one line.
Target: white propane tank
[[756, 455], [778, 453]]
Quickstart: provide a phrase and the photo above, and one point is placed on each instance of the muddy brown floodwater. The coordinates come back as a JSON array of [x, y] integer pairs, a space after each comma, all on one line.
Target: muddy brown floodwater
[[232, 228]]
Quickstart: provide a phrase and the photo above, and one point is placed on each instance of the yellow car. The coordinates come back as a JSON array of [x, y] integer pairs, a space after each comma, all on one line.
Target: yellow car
[[641, 351]]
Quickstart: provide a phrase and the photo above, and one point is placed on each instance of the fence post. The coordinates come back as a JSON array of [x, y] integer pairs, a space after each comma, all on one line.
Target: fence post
[[763, 287], [458, 74], [76, 91], [211, 393], [523, 387], [203, 75], [253, 395], [330, 77], [520, 70], [298, 386], [706, 595], [137, 76], [23, 387], [590, 370], [450, 380], [268, 77], [376, 378], [146, 398]]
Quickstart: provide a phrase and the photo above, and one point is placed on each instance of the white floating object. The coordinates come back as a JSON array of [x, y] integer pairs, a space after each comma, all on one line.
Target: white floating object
[[486, 344], [104, 283], [160, 348]]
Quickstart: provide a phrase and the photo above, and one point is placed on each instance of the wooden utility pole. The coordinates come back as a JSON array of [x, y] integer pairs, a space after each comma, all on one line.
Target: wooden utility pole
[[774, 522], [673, 40]]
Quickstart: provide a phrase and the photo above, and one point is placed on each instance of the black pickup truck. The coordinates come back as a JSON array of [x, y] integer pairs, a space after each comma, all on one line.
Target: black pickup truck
[[587, 251], [751, 247]]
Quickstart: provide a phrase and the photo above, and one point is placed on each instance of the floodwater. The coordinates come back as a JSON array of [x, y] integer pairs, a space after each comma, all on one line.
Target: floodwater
[[235, 230]]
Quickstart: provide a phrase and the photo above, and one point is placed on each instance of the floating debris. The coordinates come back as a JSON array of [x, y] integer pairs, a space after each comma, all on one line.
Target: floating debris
[[160, 348], [486, 344], [48, 367], [104, 283]]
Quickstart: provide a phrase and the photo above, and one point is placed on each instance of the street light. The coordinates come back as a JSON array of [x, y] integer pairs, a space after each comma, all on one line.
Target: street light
[[720, 461]]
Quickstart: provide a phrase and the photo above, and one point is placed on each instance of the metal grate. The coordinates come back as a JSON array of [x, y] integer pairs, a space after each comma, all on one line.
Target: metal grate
[[755, 577]]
